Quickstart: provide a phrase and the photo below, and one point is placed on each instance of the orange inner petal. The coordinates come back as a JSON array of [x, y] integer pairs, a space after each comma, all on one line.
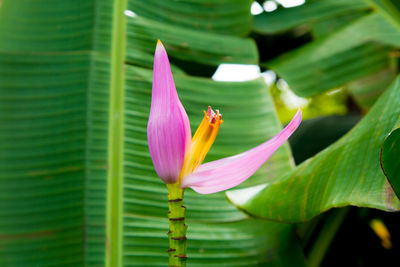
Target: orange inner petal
[[202, 141]]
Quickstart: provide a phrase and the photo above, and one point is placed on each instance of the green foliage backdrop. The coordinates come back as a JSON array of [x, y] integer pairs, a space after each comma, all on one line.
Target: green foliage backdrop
[[77, 186]]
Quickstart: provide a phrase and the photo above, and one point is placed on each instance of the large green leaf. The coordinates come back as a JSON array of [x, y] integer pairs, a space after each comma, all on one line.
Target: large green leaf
[[346, 173], [77, 185], [332, 61], [54, 90], [52, 176]]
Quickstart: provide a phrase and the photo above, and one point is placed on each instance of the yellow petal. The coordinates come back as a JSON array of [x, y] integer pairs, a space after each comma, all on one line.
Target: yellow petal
[[202, 141]]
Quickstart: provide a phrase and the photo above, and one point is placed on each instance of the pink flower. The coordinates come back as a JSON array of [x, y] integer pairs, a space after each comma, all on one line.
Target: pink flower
[[176, 159]]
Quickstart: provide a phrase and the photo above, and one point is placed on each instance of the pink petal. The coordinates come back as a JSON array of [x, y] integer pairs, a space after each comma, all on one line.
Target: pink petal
[[168, 129], [228, 172]]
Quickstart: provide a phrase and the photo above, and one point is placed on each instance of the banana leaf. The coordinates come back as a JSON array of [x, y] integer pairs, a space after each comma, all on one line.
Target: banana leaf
[[77, 185]]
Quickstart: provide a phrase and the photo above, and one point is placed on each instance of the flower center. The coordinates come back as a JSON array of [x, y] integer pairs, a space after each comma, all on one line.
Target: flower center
[[202, 141]]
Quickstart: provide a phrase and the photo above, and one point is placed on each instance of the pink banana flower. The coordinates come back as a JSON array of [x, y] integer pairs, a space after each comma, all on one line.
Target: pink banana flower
[[177, 157]]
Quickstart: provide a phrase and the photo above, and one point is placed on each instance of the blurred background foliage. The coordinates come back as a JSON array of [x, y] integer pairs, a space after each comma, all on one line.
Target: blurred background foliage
[[73, 154]]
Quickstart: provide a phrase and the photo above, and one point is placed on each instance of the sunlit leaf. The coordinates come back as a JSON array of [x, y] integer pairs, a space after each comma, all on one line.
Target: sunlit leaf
[[346, 173]]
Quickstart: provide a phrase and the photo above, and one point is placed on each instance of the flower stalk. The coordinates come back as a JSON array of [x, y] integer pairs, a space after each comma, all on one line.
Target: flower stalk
[[177, 226]]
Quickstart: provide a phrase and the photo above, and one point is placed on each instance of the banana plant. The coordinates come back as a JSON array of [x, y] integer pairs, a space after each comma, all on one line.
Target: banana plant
[[77, 183]]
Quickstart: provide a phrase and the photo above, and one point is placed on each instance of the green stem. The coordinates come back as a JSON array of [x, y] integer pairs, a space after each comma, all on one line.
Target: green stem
[[326, 236], [177, 226]]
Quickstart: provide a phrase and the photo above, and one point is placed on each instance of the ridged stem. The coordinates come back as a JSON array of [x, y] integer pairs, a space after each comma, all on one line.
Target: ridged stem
[[177, 227]]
